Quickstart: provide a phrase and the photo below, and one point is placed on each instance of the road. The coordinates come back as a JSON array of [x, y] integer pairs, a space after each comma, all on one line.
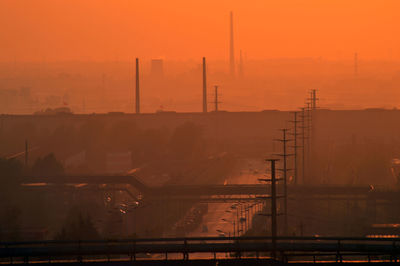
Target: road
[[222, 218]]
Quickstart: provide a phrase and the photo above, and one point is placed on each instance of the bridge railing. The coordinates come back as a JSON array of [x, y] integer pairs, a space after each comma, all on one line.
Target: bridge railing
[[288, 248]]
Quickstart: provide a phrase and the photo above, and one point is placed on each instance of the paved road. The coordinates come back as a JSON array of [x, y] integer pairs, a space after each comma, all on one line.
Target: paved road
[[220, 219]]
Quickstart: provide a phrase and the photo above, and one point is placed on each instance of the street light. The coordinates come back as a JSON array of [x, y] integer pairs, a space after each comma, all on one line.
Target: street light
[[234, 225]]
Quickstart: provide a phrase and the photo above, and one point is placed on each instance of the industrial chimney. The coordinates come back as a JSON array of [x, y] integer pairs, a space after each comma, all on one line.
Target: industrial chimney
[[204, 86], [231, 49], [137, 87]]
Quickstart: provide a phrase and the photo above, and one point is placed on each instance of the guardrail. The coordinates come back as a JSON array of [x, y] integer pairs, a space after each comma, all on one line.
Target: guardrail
[[288, 249]]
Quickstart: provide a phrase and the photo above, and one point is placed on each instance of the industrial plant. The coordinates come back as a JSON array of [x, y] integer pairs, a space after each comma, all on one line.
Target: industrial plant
[[187, 134]]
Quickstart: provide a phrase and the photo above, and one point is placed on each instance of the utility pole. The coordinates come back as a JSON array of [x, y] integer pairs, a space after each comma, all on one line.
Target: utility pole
[[137, 87], [274, 228], [313, 99], [303, 137], [309, 137], [309, 119], [274, 197], [295, 122], [313, 129], [309, 122], [216, 102], [284, 155]]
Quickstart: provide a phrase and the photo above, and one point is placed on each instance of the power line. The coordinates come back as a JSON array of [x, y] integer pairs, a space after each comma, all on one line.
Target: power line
[[284, 155], [295, 133], [303, 138]]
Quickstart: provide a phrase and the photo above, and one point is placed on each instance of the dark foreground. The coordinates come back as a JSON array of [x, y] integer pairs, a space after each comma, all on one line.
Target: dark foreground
[[220, 262], [205, 251]]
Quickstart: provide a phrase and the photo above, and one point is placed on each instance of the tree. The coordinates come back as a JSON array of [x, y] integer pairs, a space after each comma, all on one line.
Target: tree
[[78, 227], [47, 165]]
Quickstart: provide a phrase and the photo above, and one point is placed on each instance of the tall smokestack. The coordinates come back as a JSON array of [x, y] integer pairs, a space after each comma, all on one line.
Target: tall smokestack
[[137, 87], [231, 49], [204, 86]]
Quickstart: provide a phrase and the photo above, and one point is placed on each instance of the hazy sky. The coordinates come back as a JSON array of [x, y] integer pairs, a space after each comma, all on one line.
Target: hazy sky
[[188, 29]]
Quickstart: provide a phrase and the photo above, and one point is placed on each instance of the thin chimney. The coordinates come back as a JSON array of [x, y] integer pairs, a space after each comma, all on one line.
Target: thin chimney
[[137, 87], [231, 49], [204, 86]]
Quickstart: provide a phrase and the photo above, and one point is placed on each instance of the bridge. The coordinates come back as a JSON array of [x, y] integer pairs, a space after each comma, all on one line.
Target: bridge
[[218, 192], [204, 251]]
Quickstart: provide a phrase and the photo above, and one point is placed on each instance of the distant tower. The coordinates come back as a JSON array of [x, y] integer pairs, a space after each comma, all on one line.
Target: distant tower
[[216, 99], [356, 64], [137, 87], [231, 49], [204, 86], [241, 65]]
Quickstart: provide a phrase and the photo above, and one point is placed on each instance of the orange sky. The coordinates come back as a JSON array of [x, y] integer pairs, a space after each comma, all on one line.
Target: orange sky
[[188, 29]]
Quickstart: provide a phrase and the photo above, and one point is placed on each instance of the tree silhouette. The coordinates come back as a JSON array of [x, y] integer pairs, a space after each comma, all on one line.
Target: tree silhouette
[[47, 165], [78, 227]]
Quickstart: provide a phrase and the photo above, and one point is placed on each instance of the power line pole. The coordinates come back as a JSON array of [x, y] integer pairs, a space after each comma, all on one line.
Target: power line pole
[[295, 122], [284, 155], [313, 126], [303, 138], [274, 197], [314, 99], [309, 123], [274, 228], [216, 102], [309, 114]]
